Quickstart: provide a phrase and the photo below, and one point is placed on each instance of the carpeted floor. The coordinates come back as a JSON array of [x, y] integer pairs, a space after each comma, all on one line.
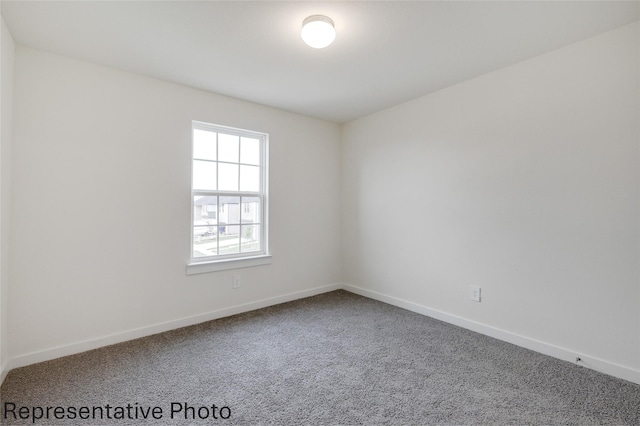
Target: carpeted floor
[[332, 359]]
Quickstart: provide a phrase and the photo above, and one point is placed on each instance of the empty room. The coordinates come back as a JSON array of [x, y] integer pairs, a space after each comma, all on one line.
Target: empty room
[[320, 213]]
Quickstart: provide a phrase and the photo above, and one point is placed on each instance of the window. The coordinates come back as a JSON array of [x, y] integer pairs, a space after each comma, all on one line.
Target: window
[[229, 195]]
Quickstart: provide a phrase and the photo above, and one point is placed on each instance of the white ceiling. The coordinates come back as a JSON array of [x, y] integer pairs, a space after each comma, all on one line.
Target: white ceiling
[[386, 52]]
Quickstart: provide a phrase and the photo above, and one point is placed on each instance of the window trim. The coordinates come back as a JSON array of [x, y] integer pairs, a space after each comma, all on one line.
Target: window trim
[[223, 265], [198, 265]]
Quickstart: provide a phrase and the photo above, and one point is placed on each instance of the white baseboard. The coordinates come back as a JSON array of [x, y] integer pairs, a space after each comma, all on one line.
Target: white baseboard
[[555, 351], [89, 344]]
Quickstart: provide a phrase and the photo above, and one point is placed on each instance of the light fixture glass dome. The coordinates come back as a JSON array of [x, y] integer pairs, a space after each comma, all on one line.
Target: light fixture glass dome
[[318, 31]]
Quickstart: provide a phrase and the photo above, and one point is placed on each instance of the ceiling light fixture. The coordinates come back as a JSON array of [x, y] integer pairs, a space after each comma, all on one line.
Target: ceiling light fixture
[[318, 31]]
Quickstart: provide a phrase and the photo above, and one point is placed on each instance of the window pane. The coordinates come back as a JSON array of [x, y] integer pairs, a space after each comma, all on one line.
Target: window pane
[[204, 241], [204, 174], [250, 238], [250, 211], [228, 230], [228, 174], [229, 239], [228, 148], [249, 178], [205, 210], [204, 144], [229, 211], [250, 151]]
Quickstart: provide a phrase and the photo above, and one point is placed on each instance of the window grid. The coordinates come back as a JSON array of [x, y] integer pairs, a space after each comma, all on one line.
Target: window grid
[[246, 237]]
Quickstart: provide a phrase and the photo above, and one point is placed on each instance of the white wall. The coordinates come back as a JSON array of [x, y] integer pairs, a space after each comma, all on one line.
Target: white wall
[[7, 48], [101, 207], [524, 182]]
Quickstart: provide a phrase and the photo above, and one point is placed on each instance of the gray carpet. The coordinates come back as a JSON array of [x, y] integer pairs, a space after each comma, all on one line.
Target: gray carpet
[[332, 359]]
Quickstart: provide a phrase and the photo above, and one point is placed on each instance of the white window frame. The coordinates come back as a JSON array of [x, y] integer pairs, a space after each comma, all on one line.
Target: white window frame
[[199, 265]]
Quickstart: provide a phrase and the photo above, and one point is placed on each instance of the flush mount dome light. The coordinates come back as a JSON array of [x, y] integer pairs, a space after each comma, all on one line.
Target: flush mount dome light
[[318, 31]]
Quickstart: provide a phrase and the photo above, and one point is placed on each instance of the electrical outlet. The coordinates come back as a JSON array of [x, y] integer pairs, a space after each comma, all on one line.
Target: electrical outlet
[[474, 293], [235, 283]]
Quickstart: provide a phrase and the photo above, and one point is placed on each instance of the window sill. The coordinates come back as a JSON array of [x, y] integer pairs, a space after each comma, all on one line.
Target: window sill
[[222, 265]]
